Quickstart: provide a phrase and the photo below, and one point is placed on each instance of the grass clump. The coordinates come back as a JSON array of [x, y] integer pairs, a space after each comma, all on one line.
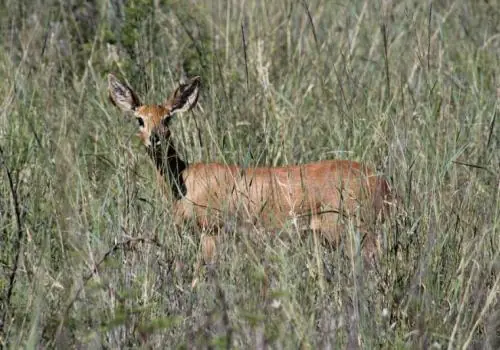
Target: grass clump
[[89, 255]]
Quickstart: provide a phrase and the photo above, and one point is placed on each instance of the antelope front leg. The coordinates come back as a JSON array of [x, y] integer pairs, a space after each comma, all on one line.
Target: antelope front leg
[[207, 240], [208, 249], [206, 256]]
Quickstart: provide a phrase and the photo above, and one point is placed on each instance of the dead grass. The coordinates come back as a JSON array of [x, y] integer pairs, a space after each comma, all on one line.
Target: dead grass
[[89, 256]]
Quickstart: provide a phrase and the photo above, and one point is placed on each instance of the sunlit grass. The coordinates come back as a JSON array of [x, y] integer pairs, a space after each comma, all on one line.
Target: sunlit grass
[[89, 255]]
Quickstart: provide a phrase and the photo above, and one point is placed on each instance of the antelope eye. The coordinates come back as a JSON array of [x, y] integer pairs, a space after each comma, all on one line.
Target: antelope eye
[[140, 121]]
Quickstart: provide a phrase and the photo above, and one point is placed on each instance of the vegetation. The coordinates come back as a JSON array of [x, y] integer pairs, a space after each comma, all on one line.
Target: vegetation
[[89, 256]]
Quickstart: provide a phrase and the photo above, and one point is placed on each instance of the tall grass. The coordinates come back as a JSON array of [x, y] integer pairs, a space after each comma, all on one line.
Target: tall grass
[[88, 254]]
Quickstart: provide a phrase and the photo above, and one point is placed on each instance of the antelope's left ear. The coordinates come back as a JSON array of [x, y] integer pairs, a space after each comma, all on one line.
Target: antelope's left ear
[[184, 97]]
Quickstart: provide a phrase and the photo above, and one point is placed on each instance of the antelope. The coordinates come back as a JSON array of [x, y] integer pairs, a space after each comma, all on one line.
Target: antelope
[[322, 195]]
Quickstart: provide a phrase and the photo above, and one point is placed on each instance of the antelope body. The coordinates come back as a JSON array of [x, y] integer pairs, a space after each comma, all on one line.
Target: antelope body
[[318, 196]]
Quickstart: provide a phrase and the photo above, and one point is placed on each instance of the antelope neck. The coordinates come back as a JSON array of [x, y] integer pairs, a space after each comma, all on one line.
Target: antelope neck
[[170, 165]]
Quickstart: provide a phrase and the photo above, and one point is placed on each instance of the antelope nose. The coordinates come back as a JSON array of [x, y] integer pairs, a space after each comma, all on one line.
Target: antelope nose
[[155, 139]]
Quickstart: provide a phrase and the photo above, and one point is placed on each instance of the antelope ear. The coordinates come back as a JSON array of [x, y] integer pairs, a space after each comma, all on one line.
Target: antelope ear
[[184, 97], [122, 95]]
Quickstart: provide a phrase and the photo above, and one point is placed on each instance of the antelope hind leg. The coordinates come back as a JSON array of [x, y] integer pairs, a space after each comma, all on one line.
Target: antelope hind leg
[[334, 230]]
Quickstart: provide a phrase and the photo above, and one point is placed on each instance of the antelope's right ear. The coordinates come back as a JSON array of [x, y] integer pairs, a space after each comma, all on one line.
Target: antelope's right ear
[[122, 95]]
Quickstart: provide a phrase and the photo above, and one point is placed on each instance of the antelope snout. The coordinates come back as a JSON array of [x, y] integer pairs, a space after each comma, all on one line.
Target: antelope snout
[[155, 139]]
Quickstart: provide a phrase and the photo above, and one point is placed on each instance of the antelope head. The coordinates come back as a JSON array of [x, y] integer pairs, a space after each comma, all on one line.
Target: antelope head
[[153, 120]]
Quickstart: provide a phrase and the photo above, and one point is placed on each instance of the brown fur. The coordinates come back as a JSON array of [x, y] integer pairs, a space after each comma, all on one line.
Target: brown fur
[[320, 196]]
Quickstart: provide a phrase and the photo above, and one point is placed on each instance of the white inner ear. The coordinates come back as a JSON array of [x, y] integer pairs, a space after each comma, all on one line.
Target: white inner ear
[[124, 100], [189, 102], [122, 96]]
